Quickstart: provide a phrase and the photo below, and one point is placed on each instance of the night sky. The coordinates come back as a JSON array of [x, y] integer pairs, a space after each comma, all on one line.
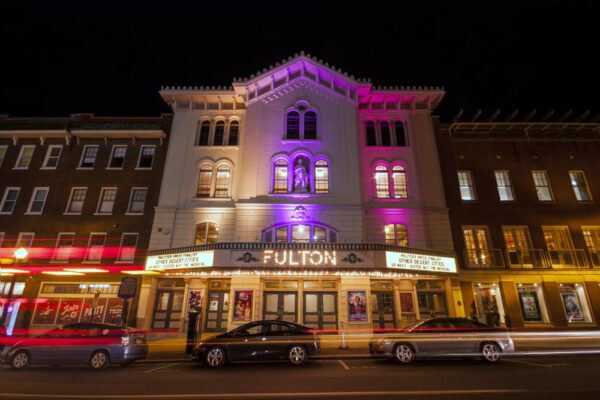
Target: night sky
[[111, 58]]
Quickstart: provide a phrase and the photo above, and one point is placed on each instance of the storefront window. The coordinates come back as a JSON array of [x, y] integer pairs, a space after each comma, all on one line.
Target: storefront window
[[533, 306], [487, 305], [575, 302]]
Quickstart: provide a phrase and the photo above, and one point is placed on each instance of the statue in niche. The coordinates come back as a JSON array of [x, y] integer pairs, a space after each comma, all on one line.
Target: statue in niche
[[300, 177]]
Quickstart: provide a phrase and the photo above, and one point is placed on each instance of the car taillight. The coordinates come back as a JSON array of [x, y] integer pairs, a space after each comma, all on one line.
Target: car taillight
[[124, 341]]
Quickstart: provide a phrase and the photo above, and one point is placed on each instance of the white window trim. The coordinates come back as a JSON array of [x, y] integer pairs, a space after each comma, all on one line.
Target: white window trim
[[120, 259], [71, 198], [102, 190], [510, 185], [53, 259], [5, 153], [131, 199], [87, 251], [83, 156], [587, 186], [5, 195], [26, 146], [21, 234], [112, 153], [137, 165], [33, 193], [47, 157], [550, 190], [473, 186]]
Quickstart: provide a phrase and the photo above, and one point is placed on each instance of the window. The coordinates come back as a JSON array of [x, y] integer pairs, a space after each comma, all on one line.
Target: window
[[206, 233], [117, 157], [280, 180], [384, 129], [146, 157], [580, 186], [219, 133], [320, 235], [503, 183], [3, 150], [477, 247], [591, 234], [400, 133], [293, 125], [25, 156], [299, 233], [381, 183], [204, 181], [203, 134], [76, 200], [561, 250], [25, 239], [371, 133], [64, 247], [575, 303], [516, 238], [95, 247], [557, 238], [542, 185], [488, 303], [88, 157], [396, 235], [310, 125], [38, 199], [465, 183], [531, 300], [223, 179], [234, 133], [321, 177], [107, 201], [399, 179], [127, 249], [9, 200], [137, 200], [52, 157]]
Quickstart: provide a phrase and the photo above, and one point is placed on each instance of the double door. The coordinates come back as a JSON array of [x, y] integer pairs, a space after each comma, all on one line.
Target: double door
[[382, 310], [320, 310], [217, 311], [281, 305], [167, 312]]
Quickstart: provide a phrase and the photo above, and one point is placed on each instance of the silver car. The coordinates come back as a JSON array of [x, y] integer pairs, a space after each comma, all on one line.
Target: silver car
[[444, 337], [94, 344]]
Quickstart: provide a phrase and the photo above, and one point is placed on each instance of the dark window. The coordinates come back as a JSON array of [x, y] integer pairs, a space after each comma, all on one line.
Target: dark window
[[386, 140], [89, 156], [310, 125], [146, 157], [234, 131], [293, 125], [400, 133], [219, 133], [204, 133], [370, 129], [117, 157]]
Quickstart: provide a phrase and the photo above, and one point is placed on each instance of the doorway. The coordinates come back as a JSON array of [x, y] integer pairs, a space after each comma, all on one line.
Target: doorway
[[320, 310], [281, 305], [382, 310], [167, 309], [217, 311]]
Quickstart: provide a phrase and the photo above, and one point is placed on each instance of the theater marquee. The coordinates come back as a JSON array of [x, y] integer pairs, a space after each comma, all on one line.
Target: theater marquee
[[419, 262], [195, 259]]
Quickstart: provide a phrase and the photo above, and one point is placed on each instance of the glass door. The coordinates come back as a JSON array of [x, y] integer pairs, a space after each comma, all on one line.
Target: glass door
[[320, 310], [477, 246], [168, 308], [217, 312], [382, 310], [281, 305]]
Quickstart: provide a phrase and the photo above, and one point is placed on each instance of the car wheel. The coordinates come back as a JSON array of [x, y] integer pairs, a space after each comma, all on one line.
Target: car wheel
[[491, 352], [20, 360], [99, 360], [297, 354], [404, 353], [215, 357]]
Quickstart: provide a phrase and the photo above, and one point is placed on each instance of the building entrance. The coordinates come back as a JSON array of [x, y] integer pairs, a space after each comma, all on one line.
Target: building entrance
[[320, 310], [167, 312], [217, 311], [382, 310], [281, 305]]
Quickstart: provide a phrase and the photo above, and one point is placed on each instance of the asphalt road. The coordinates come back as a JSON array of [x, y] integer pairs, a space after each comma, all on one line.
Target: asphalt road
[[573, 378]]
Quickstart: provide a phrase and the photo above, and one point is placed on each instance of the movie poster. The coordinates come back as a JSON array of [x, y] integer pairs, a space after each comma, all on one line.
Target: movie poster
[[572, 307], [195, 300], [242, 310], [530, 306], [357, 306]]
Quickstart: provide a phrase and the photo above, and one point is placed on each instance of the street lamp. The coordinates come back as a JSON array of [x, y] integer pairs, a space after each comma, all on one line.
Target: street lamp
[[19, 254]]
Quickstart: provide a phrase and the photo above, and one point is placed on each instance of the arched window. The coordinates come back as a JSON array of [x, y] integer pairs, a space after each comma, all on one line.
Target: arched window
[[234, 132], [396, 235], [321, 177], [384, 128], [400, 133], [204, 181], [293, 125], [370, 133], [399, 179], [223, 180], [302, 181], [382, 186], [219, 133], [204, 134], [206, 233], [280, 176], [300, 233], [310, 125]]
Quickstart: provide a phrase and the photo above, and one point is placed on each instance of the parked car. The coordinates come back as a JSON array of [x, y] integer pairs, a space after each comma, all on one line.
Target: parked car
[[97, 345], [259, 341], [444, 337]]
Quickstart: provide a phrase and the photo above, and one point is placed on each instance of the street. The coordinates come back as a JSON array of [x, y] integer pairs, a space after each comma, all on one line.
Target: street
[[529, 378]]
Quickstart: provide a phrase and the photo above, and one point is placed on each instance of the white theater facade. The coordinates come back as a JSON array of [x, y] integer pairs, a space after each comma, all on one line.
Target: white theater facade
[[303, 194]]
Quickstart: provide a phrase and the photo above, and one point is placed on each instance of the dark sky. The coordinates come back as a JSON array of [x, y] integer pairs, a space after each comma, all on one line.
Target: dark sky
[[111, 58]]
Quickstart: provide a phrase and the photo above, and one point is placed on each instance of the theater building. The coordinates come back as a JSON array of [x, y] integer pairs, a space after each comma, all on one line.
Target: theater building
[[300, 193], [77, 195], [523, 199]]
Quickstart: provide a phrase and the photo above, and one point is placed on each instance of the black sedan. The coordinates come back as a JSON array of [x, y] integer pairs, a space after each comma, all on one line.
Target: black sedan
[[259, 341]]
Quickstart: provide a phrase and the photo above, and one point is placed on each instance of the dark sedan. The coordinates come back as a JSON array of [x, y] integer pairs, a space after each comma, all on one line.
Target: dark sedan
[[94, 344], [259, 341]]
